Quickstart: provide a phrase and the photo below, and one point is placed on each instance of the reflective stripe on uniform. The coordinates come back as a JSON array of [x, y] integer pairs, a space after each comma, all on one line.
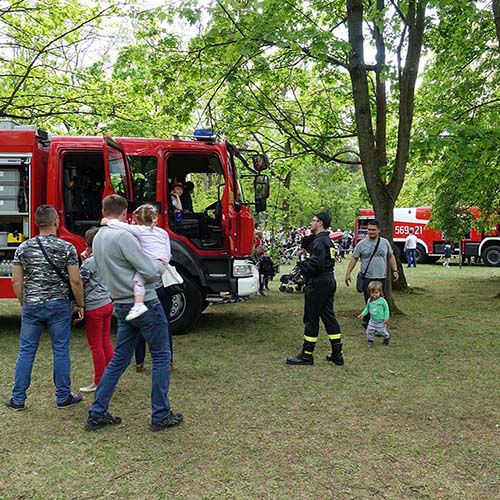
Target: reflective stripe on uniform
[[334, 336], [310, 339]]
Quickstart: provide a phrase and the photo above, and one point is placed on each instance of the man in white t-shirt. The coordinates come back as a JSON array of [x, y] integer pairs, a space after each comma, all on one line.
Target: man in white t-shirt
[[411, 249]]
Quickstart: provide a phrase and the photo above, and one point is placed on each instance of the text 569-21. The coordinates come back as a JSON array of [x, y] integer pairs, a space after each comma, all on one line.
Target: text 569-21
[[405, 230]]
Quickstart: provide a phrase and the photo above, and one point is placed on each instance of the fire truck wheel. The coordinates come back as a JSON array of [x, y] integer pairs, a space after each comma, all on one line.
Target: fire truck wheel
[[186, 306], [421, 254], [492, 256]]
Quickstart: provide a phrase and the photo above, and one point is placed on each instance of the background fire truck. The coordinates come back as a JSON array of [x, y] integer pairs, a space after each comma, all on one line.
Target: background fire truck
[[211, 245], [430, 246]]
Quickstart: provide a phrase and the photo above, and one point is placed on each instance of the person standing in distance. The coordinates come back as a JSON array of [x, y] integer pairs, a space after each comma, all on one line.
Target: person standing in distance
[[319, 294], [118, 256], [44, 297], [411, 249], [377, 270]]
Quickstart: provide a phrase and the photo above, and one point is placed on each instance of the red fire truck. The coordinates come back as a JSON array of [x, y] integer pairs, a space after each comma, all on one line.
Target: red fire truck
[[430, 246], [211, 245]]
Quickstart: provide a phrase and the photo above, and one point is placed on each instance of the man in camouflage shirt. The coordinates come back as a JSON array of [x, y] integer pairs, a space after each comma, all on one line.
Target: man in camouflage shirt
[[44, 297]]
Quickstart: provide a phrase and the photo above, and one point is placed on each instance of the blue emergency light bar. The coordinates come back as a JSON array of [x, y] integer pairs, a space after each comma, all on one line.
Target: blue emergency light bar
[[204, 134]]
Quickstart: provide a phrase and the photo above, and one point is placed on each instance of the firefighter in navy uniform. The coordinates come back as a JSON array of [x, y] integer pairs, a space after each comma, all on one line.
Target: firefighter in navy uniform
[[318, 297]]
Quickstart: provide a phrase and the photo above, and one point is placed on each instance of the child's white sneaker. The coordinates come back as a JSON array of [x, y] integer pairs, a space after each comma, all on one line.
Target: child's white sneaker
[[136, 311], [89, 388]]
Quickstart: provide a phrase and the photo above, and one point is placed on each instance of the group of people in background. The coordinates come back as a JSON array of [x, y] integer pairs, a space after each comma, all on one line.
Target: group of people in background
[[296, 235]]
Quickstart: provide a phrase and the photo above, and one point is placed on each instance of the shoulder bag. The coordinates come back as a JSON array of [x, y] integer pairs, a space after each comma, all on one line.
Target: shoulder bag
[[56, 270], [361, 275]]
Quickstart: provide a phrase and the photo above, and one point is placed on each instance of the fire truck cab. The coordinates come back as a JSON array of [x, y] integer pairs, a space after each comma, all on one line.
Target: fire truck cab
[[211, 243]]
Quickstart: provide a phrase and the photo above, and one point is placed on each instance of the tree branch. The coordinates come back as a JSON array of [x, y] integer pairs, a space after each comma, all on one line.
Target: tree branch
[[45, 49]]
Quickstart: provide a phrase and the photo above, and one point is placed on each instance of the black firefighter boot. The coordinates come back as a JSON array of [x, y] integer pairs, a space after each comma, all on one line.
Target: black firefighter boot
[[336, 355], [301, 359]]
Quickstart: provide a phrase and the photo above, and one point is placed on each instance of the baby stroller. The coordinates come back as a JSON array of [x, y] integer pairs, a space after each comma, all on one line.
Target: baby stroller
[[292, 282]]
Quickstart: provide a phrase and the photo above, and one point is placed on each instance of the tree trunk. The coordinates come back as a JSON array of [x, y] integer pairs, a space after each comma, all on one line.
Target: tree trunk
[[373, 146]]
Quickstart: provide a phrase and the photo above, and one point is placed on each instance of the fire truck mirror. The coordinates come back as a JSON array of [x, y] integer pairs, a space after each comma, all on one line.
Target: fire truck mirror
[[261, 205], [261, 185], [260, 162]]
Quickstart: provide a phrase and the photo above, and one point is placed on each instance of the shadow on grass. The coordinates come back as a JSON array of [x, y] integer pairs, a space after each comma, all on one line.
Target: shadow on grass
[[220, 322], [10, 324], [412, 290]]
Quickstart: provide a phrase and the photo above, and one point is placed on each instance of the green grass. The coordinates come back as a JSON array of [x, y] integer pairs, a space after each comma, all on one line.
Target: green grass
[[418, 419]]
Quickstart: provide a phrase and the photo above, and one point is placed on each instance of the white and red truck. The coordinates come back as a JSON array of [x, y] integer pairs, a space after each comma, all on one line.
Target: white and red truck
[[431, 242], [211, 245]]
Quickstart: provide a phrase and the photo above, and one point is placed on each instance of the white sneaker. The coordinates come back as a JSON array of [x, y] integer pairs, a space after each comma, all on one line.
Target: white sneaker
[[135, 312], [89, 388]]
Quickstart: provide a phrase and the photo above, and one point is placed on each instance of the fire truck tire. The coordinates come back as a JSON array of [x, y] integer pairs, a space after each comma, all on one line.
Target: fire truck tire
[[421, 254], [491, 256], [186, 306]]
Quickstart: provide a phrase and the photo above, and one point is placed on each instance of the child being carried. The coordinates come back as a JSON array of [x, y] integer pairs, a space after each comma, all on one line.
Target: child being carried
[[156, 245]]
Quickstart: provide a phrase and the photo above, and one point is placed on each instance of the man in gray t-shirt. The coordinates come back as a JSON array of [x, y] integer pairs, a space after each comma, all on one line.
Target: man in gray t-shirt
[[118, 256], [376, 269]]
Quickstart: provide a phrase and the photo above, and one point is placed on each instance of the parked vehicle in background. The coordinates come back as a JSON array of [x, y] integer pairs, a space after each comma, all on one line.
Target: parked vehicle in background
[[211, 246], [483, 245]]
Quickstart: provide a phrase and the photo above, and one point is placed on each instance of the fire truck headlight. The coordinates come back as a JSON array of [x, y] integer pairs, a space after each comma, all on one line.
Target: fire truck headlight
[[242, 269]]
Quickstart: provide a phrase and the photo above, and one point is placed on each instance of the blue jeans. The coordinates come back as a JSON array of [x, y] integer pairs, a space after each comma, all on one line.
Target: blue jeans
[[411, 257], [166, 301], [56, 315], [153, 326]]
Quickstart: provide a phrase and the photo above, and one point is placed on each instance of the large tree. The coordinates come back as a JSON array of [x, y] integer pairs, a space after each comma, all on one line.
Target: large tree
[[376, 45], [384, 167]]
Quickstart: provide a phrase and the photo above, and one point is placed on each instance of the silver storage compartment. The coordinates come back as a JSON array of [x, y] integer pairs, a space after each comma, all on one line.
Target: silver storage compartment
[[9, 176], [9, 205], [8, 191]]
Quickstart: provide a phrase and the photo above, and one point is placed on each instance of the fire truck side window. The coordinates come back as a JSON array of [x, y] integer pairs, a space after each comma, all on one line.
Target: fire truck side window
[[206, 173], [83, 185], [202, 226], [144, 172]]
